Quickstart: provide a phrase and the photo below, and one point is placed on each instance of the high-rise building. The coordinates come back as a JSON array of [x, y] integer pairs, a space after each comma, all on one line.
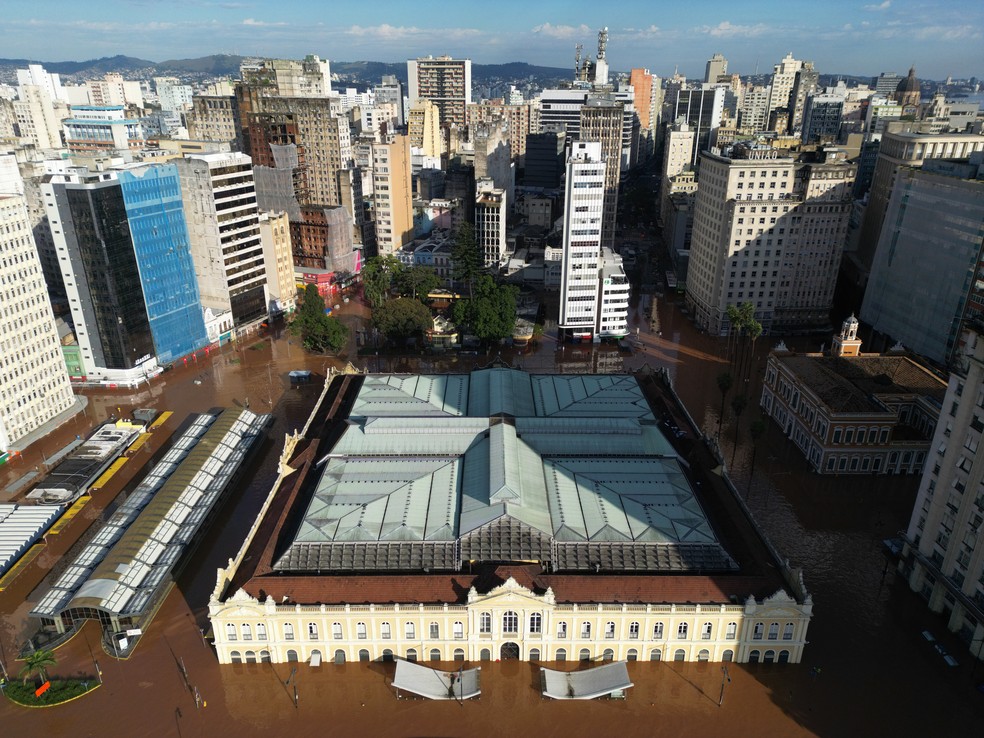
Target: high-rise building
[[783, 81], [544, 163], [490, 223], [943, 556], [768, 229], [289, 77], [717, 67], [702, 110], [594, 291], [125, 255], [886, 83], [922, 288], [561, 110], [277, 256], [390, 92], [601, 121], [822, 117], [807, 79], [35, 386], [392, 195], [224, 228], [39, 116], [215, 118], [424, 128], [102, 128], [493, 157], [444, 81], [753, 115]]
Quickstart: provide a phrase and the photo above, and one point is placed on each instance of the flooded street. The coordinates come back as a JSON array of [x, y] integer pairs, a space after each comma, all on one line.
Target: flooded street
[[877, 676]]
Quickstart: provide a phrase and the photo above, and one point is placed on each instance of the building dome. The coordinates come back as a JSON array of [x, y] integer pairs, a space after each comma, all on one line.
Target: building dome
[[909, 85]]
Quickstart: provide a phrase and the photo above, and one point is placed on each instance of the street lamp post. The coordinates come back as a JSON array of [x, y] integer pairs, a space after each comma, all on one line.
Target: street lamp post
[[725, 679]]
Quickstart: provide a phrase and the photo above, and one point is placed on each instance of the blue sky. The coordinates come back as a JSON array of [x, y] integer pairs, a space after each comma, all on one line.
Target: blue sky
[[939, 37]]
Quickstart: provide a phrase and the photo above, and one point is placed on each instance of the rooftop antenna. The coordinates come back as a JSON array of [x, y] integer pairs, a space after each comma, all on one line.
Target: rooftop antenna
[[756, 66], [577, 59], [602, 42]]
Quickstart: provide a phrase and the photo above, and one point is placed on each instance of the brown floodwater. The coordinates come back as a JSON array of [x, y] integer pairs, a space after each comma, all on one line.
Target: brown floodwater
[[876, 674]]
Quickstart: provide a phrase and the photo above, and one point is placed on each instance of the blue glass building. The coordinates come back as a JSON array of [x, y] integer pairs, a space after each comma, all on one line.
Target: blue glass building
[[152, 197]]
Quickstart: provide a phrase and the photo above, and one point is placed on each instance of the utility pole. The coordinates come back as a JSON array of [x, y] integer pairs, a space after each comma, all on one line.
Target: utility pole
[[725, 679]]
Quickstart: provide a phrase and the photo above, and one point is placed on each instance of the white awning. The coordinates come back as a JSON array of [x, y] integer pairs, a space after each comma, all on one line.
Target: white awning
[[437, 685], [316, 658], [585, 685]]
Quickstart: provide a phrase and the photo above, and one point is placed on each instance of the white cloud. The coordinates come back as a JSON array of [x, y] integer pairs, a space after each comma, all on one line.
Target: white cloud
[[562, 32], [386, 32], [262, 24], [727, 29], [880, 6]]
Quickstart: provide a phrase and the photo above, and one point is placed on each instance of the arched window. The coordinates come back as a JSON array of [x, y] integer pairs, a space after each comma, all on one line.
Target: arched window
[[679, 655], [247, 632], [632, 655], [787, 632], [435, 631], [728, 655], [682, 629], [231, 632], [409, 631], [387, 655], [784, 657], [753, 656], [758, 631], [634, 631], [459, 654], [510, 622], [435, 654], [384, 631], [536, 623], [261, 632], [458, 630], [485, 655], [264, 657], [585, 655], [339, 656], [411, 654], [562, 630], [561, 654], [609, 629], [770, 656], [585, 629], [534, 654], [704, 655], [485, 622], [288, 631], [312, 631], [291, 656], [236, 657], [363, 654], [658, 632], [360, 630], [250, 657], [336, 631], [773, 631], [608, 655], [705, 631], [732, 630]]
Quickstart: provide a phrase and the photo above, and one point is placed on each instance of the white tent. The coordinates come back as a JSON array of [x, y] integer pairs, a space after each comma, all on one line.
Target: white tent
[[610, 679], [437, 685]]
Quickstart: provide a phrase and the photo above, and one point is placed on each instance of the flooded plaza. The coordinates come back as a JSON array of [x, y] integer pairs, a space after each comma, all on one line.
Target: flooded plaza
[[867, 670]]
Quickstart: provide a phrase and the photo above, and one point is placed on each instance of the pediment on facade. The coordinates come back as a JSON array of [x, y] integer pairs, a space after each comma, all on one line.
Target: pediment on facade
[[241, 603], [508, 592]]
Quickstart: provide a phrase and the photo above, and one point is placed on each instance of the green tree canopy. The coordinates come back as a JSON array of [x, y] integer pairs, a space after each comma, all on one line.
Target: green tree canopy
[[38, 662], [417, 282], [319, 332], [466, 261], [402, 318], [378, 276], [491, 313]]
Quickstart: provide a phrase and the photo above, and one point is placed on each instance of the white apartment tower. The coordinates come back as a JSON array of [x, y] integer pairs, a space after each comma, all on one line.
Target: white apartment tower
[[768, 229], [444, 81], [594, 292], [392, 194], [943, 558], [34, 384], [783, 81], [490, 223], [224, 229]]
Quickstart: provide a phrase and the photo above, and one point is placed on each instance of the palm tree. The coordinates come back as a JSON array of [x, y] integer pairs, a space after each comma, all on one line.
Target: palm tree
[[755, 430], [38, 661], [725, 382], [738, 405]]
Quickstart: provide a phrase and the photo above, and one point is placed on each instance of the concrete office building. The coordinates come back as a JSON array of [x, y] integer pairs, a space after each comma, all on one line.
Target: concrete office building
[[95, 129], [768, 229], [491, 215], [424, 128], [535, 517], [753, 114], [922, 288], [561, 110], [310, 77], [943, 556], [601, 122], [544, 164], [34, 386], [702, 111], [38, 115], [716, 67], [224, 227], [822, 116], [444, 81], [277, 256], [215, 118], [783, 81], [126, 259], [390, 92]]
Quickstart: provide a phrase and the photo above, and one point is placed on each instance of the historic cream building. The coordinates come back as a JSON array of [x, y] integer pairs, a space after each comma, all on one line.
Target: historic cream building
[[500, 515]]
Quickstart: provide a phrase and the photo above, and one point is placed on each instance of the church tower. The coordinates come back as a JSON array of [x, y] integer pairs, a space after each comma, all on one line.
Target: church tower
[[847, 343]]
